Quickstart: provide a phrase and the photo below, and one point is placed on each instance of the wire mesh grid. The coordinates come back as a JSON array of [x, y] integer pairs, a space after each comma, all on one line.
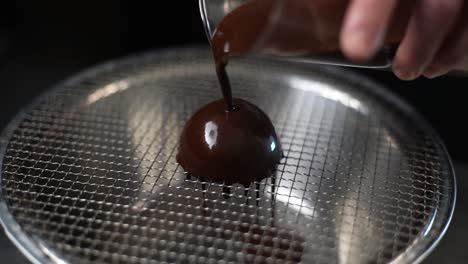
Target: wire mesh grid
[[89, 171]]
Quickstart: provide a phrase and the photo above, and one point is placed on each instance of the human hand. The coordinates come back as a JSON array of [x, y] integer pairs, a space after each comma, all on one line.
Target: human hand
[[434, 42]]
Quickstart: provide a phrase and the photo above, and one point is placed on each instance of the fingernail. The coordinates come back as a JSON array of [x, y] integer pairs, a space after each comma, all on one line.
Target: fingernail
[[433, 72], [406, 74]]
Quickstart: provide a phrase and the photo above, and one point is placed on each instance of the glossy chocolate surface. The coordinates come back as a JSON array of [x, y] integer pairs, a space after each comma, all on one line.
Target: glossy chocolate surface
[[239, 146]]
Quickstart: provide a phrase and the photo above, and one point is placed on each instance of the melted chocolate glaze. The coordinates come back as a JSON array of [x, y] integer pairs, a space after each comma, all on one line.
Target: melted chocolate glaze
[[239, 146]]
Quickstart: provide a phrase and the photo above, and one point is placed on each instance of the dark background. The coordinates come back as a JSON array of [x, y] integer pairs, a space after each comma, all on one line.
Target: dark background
[[44, 42]]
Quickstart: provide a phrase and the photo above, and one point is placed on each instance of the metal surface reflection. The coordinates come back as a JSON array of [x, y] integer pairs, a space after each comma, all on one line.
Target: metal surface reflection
[[326, 90]]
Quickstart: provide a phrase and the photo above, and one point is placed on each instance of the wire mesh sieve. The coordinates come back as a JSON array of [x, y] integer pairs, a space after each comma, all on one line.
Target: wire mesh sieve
[[89, 172]]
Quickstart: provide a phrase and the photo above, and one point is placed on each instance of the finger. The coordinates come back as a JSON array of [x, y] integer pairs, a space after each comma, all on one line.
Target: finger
[[364, 27], [454, 52], [429, 25]]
